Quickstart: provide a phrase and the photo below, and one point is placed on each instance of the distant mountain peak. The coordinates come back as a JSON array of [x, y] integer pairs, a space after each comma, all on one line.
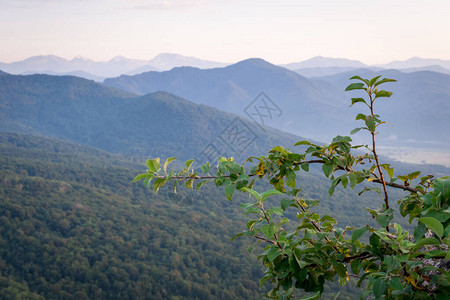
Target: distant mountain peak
[[118, 58], [254, 62], [80, 58], [325, 62], [167, 61], [44, 59], [416, 62]]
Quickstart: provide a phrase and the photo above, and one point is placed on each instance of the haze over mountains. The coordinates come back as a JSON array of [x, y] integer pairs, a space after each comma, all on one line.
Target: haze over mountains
[[157, 124], [306, 105], [311, 106], [87, 68], [98, 70]]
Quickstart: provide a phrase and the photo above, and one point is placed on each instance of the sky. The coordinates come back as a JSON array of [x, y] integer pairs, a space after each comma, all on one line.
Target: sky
[[281, 31]]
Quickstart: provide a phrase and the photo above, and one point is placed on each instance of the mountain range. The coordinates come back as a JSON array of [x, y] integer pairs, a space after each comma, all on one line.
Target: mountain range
[[119, 65], [98, 70], [310, 106], [156, 124]]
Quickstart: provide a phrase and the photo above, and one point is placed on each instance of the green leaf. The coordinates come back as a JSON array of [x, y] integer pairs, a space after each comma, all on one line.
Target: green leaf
[[379, 287], [382, 93], [159, 182], [290, 178], [303, 143], [360, 117], [199, 185], [276, 210], [340, 138], [333, 186], [251, 191], [373, 80], [340, 269], [305, 167], [370, 123], [359, 78], [168, 161], [189, 183], [229, 190], [327, 169], [442, 185], [355, 266], [355, 86], [188, 164], [270, 193], [352, 178], [357, 233], [383, 81], [285, 203], [153, 165], [273, 253], [388, 169], [205, 168], [142, 176], [356, 100], [433, 224], [268, 230], [357, 129], [425, 241], [395, 283], [237, 235], [312, 297]]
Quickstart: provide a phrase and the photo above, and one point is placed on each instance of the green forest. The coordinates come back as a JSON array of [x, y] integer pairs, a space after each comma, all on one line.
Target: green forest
[[73, 226]]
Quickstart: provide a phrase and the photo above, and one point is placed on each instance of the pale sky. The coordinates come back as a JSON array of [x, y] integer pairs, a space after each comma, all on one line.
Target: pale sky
[[280, 31]]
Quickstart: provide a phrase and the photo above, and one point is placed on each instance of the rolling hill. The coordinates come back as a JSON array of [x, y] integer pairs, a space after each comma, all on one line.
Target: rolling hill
[[302, 106], [158, 124]]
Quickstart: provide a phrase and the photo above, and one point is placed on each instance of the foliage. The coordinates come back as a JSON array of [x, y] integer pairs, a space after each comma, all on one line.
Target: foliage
[[387, 260], [72, 226]]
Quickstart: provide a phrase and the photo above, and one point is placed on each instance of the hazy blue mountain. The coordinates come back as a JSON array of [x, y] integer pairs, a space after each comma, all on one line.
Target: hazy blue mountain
[[419, 110], [324, 62], [89, 69], [308, 107], [76, 73], [167, 61], [433, 68], [53, 64], [325, 71], [416, 62], [36, 63], [143, 69], [158, 124]]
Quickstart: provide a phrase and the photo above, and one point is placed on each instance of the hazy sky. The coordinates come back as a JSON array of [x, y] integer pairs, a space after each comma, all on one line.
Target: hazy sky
[[226, 30]]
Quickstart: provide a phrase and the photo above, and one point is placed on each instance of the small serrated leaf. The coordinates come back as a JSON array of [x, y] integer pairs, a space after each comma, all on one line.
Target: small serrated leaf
[[357, 233], [433, 224], [357, 100], [153, 165], [356, 130], [168, 161], [355, 86], [383, 93], [229, 190]]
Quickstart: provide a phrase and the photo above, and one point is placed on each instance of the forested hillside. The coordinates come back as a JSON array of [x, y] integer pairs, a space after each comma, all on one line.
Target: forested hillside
[[73, 226], [158, 124]]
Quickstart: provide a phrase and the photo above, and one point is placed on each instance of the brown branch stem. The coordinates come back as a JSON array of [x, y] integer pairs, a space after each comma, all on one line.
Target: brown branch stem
[[319, 161]]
